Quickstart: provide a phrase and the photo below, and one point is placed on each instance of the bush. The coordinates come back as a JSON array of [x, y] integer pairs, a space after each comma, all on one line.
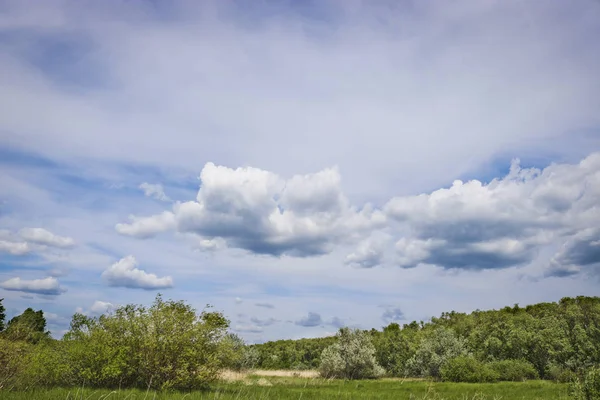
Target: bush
[[560, 374], [352, 357], [467, 369], [164, 346], [48, 364], [440, 346], [586, 387], [12, 363], [514, 370]]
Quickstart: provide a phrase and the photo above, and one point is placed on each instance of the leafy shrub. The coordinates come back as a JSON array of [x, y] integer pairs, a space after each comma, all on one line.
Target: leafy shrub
[[560, 374], [12, 362], [436, 349], [164, 346], [467, 369], [236, 355], [49, 364], [514, 370], [586, 387], [351, 357]]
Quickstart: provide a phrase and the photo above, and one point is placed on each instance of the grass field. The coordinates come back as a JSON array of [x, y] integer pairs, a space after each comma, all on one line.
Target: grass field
[[273, 387]]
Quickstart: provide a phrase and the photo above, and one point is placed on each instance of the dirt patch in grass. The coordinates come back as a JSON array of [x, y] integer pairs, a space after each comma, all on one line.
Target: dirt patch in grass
[[232, 376]]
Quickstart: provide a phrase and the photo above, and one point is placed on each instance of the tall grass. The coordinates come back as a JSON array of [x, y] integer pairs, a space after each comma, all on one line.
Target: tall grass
[[306, 389]]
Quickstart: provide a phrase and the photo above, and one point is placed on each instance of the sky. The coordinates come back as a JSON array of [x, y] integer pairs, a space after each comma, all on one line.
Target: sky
[[298, 165]]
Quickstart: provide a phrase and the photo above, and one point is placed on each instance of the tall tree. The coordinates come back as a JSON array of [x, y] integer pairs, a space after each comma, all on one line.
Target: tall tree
[[2, 315], [29, 326]]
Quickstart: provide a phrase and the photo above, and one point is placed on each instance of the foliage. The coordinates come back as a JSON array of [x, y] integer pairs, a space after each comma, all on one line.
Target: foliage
[[351, 357], [436, 349], [394, 347], [164, 346], [235, 355], [468, 369], [29, 326], [292, 354], [514, 370], [560, 374], [12, 362], [588, 386]]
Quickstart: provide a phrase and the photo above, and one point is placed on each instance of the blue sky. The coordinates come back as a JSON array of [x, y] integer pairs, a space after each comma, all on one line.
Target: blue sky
[[298, 165]]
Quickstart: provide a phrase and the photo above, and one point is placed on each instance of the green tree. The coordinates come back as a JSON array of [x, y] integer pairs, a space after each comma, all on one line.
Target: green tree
[[30, 326], [2, 315], [435, 350]]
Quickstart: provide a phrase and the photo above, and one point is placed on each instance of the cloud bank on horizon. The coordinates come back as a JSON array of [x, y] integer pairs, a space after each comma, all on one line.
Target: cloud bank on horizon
[[300, 166]]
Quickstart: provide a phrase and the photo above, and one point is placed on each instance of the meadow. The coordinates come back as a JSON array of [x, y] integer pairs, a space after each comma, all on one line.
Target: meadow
[[259, 387]]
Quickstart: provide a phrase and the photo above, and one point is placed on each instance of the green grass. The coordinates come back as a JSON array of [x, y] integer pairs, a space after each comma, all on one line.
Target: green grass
[[305, 389]]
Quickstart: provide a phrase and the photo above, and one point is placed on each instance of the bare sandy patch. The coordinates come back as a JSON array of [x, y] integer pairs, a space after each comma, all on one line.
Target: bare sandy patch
[[286, 373], [228, 375]]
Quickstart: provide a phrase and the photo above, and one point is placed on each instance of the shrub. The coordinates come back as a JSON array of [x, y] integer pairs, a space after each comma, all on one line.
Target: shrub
[[165, 346], [440, 346], [514, 370], [12, 362], [467, 369], [560, 374], [351, 357], [586, 387], [48, 364]]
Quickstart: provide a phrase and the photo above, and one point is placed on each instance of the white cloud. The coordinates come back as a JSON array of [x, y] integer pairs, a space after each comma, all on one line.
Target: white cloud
[[45, 237], [579, 252], [155, 190], [46, 286], [124, 273], [500, 224], [14, 248], [147, 227], [258, 211], [368, 253], [101, 307]]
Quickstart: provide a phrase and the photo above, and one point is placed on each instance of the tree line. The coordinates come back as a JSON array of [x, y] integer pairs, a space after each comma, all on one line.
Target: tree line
[[170, 345], [546, 340]]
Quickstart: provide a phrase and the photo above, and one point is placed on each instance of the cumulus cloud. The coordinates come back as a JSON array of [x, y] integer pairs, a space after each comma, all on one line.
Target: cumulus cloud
[[392, 315], [154, 190], [504, 223], [147, 227], [101, 307], [47, 286], [45, 237], [14, 248], [30, 239], [312, 319], [259, 211], [368, 253], [124, 273], [264, 305], [238, 300], [580, 251]]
